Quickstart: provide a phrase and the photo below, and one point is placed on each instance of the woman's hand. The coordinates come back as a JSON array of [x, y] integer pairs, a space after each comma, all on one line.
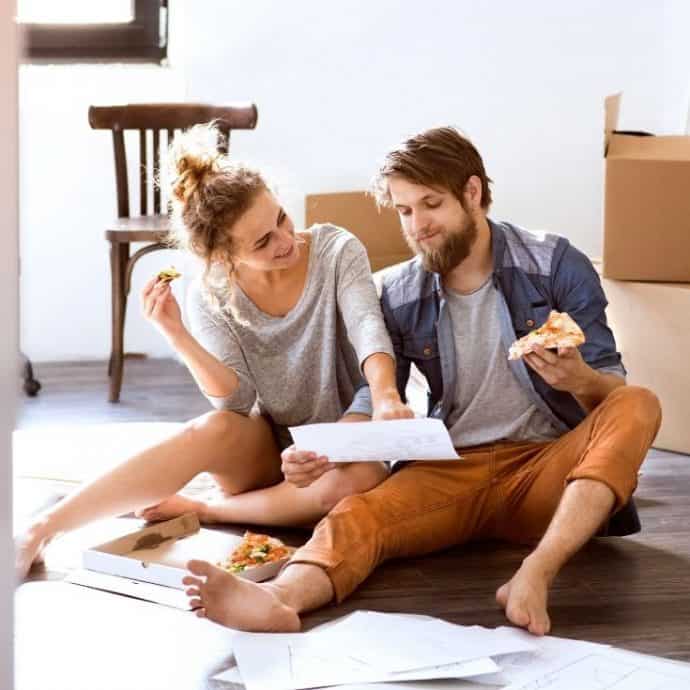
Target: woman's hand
[[391, 407], [302, 467], [159, 306]]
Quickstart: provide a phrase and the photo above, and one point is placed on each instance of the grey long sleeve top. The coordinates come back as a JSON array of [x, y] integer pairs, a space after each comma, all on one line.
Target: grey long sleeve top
[[306, 366]]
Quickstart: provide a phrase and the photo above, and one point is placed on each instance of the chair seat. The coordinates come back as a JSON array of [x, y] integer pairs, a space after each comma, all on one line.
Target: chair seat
[[139, 229]]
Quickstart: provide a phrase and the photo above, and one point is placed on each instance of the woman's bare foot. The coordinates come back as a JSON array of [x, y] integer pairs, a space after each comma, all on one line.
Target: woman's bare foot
[[173, 507], [237, 603], [524, 598], [28, 549]]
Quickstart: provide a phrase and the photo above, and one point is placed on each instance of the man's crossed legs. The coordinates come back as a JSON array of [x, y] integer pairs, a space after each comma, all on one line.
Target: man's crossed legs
[[557, 494]]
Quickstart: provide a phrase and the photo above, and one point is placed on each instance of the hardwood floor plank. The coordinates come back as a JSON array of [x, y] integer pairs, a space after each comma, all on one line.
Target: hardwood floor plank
[[633, 592]]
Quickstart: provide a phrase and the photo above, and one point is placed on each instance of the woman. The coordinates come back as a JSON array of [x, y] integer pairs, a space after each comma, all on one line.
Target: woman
[[282, 325]]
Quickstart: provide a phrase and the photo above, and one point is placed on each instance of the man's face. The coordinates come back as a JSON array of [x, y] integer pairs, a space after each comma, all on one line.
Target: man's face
[[434, 223]]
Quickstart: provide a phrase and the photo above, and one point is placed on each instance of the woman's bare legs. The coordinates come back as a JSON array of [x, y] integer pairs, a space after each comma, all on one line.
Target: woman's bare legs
[[281, 505], [238, 450]]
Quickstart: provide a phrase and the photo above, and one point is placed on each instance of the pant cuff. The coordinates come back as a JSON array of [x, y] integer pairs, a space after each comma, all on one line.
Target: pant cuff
[[334, 566], [598, 467]]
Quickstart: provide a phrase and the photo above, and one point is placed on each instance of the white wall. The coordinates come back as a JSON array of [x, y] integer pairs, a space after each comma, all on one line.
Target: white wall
[[67, 192], [9, 374], [338, 83]]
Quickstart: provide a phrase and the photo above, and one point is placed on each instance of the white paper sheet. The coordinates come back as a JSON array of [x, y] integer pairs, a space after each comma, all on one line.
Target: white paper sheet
[[397, 643], [606, 668], [396, 439], [291, 662]]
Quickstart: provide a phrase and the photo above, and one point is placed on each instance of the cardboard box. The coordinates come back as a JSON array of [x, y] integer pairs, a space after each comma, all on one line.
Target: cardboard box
[[378, 229], [157, 556], [652, 329], [646, 204]]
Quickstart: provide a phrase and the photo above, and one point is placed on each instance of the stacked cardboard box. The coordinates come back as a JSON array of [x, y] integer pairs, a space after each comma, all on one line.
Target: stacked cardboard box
[[646, 265], [378, 229]]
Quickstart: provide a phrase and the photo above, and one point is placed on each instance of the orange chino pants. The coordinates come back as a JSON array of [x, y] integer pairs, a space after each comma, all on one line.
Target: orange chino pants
[[507, 491]]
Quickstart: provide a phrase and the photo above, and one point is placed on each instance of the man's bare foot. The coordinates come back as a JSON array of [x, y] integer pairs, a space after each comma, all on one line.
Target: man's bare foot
[[28, 549], [524, 598], [173, 507], [237, 603]]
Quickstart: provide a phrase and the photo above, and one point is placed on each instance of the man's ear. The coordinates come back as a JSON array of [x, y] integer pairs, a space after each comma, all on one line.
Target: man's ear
[[473, 192]]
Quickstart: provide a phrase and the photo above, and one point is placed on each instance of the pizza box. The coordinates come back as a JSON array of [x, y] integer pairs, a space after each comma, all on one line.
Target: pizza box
[[150, 563]]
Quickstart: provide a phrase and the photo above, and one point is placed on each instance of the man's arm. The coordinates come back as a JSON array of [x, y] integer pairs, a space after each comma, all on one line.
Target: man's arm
[[591, 372]]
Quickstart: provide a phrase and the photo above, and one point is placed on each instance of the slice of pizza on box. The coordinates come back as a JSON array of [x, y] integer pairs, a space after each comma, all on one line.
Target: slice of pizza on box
[[560, 330]]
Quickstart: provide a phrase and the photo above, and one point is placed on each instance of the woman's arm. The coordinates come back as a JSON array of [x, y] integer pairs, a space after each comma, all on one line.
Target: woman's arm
[[210, 352], [213, 377], [361, 311]]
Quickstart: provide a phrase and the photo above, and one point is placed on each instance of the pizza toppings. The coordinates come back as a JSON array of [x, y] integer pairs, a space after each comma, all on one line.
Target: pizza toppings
[[167, 275], [255, 550], [559, 331]]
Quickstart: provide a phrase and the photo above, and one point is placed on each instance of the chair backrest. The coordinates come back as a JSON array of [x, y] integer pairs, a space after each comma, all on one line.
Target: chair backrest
[[160, 118]]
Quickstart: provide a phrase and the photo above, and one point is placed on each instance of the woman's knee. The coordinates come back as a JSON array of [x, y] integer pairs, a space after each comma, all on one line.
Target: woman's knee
[[350, 481], [215, 425]]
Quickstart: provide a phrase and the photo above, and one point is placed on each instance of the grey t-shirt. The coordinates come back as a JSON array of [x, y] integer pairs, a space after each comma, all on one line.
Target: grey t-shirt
[[490, 404], [303, 367]]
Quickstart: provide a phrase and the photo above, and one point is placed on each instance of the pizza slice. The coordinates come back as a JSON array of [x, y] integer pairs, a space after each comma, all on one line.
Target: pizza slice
[[559, 331], [167, 275], [255, 550]]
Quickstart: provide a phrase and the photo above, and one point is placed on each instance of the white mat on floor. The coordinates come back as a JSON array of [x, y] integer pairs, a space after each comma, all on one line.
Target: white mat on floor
[[74, 453]]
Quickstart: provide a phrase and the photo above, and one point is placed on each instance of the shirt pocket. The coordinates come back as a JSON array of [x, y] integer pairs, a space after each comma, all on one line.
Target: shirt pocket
[[420, 349], [530, 317]]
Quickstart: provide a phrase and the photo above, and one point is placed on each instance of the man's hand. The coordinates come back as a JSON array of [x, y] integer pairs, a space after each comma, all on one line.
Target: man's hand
[[565, 371], [302, 467]]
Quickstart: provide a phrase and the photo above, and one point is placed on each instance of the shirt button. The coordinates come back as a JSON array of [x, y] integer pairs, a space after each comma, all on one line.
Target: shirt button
[[427, 351], [530, 323]]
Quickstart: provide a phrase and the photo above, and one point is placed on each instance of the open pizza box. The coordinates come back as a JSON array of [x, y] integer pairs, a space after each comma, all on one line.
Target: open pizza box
[[151, 562]]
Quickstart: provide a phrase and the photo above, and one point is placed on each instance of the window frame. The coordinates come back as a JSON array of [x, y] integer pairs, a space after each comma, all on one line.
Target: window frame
[[144, 39]]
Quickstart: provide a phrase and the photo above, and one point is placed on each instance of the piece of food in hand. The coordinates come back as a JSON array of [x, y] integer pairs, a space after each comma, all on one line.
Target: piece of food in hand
[[167, 275], [559, 331], [255, 550]]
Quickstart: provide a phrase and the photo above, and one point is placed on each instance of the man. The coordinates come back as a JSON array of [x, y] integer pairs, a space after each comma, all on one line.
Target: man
[[550, 446]]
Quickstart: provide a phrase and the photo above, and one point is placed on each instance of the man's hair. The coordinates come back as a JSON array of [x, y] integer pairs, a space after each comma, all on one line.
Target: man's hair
[[439, 157]]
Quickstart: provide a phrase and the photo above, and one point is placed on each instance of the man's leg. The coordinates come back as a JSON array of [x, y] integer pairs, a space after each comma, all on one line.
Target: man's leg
[[579, 480], [422, 508]]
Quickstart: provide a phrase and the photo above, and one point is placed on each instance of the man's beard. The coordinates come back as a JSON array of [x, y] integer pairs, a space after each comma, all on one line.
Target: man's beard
[[456, 248]]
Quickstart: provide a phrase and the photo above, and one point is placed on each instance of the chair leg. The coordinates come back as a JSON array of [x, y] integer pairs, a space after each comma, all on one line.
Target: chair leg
[[31, 385], [119, 255]]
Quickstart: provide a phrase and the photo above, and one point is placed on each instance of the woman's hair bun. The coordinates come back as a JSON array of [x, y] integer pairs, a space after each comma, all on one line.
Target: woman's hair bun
[[193, 155]]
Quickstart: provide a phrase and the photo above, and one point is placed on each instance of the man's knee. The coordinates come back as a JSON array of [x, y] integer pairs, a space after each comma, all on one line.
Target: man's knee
[[351, 481], [639, 404]]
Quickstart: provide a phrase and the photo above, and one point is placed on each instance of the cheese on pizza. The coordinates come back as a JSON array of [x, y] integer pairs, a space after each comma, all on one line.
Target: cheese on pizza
[[254, 550], [559, 331]]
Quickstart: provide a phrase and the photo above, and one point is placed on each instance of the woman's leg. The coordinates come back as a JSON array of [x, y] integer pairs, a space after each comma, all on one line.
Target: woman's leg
[[239, 451], [281, 505]]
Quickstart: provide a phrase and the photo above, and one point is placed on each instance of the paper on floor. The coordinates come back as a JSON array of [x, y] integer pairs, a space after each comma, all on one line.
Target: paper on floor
[[399, 642], [564, 664], [291, 662], [396, 439]]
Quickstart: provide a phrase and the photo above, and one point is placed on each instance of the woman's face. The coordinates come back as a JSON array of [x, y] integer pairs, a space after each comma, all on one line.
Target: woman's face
[[265, 236]]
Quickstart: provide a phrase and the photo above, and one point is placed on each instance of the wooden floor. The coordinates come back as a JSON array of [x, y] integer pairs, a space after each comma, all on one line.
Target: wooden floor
[[633, 592]]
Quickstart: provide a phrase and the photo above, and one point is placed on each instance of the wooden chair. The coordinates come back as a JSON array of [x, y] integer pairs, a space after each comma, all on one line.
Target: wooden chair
[[149, 226]]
